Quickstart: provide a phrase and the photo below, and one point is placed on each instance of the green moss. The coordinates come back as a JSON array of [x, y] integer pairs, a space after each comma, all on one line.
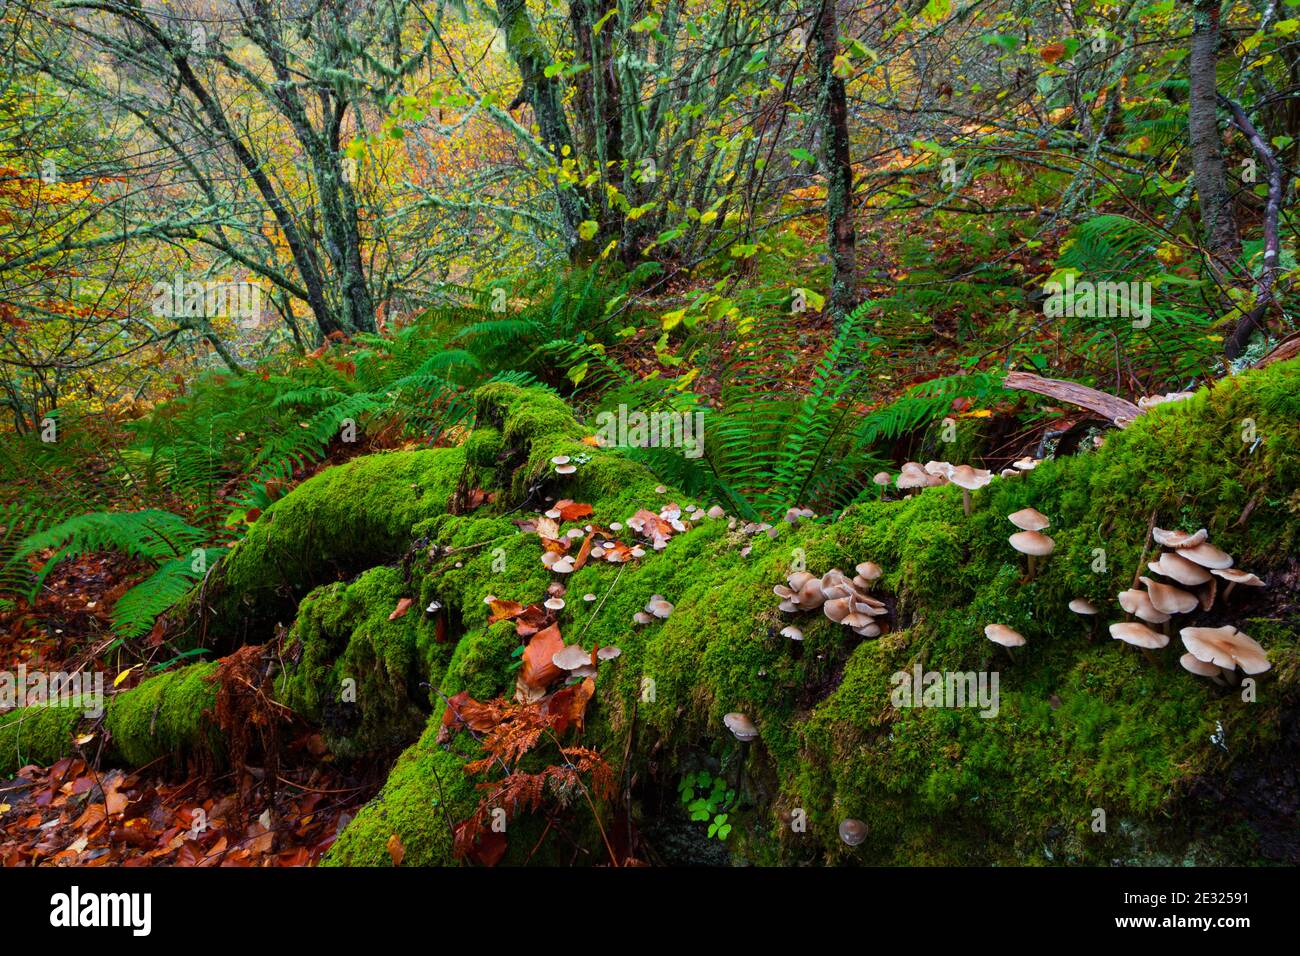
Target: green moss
[[359, 674], [1083, 724], [170, 715], [39, 735], [337, 523]]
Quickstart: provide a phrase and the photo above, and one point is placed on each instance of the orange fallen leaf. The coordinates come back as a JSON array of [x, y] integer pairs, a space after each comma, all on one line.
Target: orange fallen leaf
[[1052, 52], [395, 849], [403, 606]]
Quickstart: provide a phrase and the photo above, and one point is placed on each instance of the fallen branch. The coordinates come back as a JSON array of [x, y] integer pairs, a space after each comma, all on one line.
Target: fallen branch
[[1119, 411]]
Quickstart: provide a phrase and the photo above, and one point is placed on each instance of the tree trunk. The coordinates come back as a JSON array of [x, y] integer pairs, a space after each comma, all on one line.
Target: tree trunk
[[840, 237], [545, 95], [1220, 226]]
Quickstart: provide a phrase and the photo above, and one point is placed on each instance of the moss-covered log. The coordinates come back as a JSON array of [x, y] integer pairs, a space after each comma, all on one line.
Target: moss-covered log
[[1084, 723], [166, 717]]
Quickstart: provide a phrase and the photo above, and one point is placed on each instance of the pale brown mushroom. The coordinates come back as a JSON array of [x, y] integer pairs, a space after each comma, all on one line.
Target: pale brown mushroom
[[741, 727], [1029, 519], [1001, 634], [1138, 603], [1235, 576], [1035, 544], [969, 479], [1179, 539], [1201, 668], [1085, 608], [1207, 556], [1139, 635], [868, 573], [1168, 599], [852, 832], [1227, 647], [1173, 565], [911, 476]]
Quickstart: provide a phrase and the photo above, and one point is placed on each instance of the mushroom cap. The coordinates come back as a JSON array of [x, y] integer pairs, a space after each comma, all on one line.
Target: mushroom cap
[[1083, 606], [641, 617], [1174, 565], [964, 476], [571, 657], [608, 652], [810, 595], [853, 832], [659, 607], [715, 512], [1168, 599], [1227, 647], [1139, 635], [741, 726], [798, 579], [1025, 464], [1001, 634], [938, 469], [871, 630], [1032, 542], [1207, 556], [869, 570], [1190, 662], [565, 469], [1139, 602], [1237, 576], [554, 604], [589, 597], [560, 460], [912, 475], [838, 609], [1179, 539], [881, 478], [1029, 519], [792, 632]]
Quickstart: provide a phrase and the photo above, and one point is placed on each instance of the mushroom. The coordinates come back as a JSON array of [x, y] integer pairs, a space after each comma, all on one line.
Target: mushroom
[[589, 597], [1201, 668], [1168, 599], [1025, 464], [1179, 539], [641, 617], [1001, 634], [1139, 603], [1029, 519], [658, 607], [1139, 635], [969, 479], [741, 727], [1227, 647], [608, 653], [1174, 565], [1235, 576], [912, 476], [881, 479], [853, 832], [868, 573], [562, 465], [554, 604], [792, 632], [1085, 608], [571, 657], [715, 512], [1033, 543], [1207, 556]]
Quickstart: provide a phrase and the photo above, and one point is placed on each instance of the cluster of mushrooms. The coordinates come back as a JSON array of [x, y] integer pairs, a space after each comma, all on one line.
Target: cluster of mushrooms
[[1189, 561], [844, 600]]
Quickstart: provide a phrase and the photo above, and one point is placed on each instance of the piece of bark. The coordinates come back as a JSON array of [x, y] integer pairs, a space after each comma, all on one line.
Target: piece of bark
[[1116, 410], [1288, 348]]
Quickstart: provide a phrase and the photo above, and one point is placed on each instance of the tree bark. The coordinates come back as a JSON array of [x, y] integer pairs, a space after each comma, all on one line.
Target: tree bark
[[1217, 220], [840, 235], [545, 95]]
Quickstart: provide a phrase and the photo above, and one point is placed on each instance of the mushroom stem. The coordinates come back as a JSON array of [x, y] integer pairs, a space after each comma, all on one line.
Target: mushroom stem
[[1227, 592], [1150, 655], [1032, 562], [965, 502]]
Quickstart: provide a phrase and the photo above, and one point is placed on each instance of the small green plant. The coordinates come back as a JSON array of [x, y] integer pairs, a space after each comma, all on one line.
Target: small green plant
[[705, 797]]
